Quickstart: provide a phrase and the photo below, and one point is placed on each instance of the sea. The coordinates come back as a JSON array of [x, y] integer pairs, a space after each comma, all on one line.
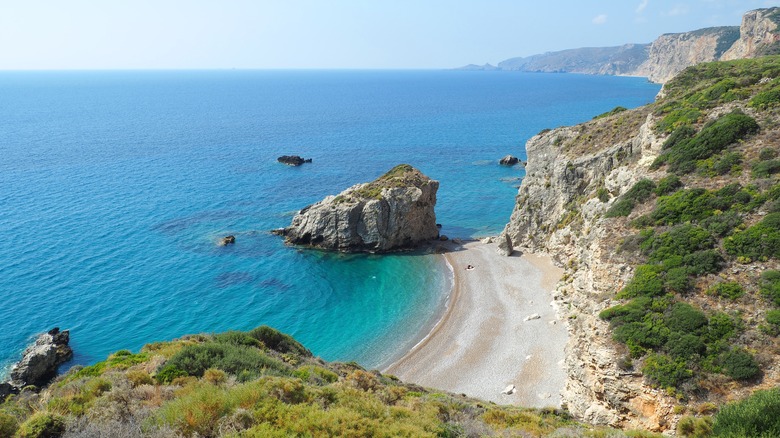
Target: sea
[[115, 187]]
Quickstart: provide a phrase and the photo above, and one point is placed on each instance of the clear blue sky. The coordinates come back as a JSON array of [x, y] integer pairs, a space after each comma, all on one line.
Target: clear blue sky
[[181, 34]]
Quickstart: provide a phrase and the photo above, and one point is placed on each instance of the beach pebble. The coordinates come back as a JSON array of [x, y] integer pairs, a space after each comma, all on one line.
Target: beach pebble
[[553, 322], [528, 357], [531, 317], [509, 390]]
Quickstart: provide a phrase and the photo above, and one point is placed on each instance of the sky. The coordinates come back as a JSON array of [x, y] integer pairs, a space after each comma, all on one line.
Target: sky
[[331, 34]]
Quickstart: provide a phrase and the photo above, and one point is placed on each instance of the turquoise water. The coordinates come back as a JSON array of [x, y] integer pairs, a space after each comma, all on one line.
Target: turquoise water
[[114, 187]]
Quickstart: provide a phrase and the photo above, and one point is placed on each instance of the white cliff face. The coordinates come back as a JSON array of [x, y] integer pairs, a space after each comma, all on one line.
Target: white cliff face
[[757, 32], [558, 212], [394, 212], [671, 53]]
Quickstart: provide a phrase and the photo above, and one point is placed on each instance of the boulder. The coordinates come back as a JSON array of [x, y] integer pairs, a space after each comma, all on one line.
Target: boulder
[[40, 360], [396, 211], [505, 247], [293, 160], [227, 240], [508, 161]]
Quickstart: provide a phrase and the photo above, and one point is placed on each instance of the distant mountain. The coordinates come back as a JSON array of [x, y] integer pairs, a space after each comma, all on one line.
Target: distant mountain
[[662, 59]]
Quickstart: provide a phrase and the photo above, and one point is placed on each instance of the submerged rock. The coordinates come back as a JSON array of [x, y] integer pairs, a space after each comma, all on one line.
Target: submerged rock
[[293, 160], [508, 161], [227, 240], [40, 360], [396, 211]]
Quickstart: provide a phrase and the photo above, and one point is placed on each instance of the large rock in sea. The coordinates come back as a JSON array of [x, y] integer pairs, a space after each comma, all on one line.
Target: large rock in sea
[[40, 360], [396, 211]]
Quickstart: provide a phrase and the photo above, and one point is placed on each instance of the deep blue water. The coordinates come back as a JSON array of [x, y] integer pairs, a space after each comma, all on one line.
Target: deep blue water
[[115, 186]]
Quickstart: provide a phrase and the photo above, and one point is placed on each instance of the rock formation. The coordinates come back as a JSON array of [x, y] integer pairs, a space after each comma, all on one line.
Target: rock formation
[[396, 211], [39, 361], [293, 160], [227, 240], [668, 55], [505, 247], [508, 160]]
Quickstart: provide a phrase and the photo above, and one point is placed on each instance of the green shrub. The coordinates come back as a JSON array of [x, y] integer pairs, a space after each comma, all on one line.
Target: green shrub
[[739, 364], [646, 282], [603, 194], [8, 425], [233, 359], [683, 206], [612, 112], [42, 425], [729, 289], [721, 327], [764, 169], [667, 185], [677, 280], [621, 208], [767, 154], [678, 118], [237, 338], [684, 318], [766, 99], [168, 373], [722, 224], [666, 372], [678, 135], [755, 416], [278, 341], [707, 261], [633, 311], [712, 139], [727, 163], [692, 427], [682, 240], [769, 286], [684, 346], [761, 241], [773, 317]]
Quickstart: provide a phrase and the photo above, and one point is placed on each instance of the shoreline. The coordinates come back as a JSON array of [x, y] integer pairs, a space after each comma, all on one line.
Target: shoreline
[[499, 329]]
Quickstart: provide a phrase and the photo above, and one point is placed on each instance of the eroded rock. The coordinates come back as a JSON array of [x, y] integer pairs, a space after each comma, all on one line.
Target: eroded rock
[[40, 360]]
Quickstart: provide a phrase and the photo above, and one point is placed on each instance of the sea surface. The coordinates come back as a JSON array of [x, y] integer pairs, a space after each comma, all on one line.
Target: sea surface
[[116, 186]]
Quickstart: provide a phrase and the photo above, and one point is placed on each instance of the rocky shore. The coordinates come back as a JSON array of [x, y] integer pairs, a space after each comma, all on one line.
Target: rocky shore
[[39, 362]]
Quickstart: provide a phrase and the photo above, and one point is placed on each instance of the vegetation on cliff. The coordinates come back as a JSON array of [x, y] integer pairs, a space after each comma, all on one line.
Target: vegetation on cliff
[[702, 311], [259, 383]]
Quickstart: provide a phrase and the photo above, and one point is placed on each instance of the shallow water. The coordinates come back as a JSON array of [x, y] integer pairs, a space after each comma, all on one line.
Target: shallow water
[[115, 187]]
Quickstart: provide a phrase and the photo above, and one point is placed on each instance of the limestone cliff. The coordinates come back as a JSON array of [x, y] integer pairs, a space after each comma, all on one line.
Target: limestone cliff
[[394, 212], [758, 35], [574, 175], [670, 54]]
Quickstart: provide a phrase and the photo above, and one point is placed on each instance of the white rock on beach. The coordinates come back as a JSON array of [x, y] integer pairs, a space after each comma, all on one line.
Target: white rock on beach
[[532, 317], [509, 390]]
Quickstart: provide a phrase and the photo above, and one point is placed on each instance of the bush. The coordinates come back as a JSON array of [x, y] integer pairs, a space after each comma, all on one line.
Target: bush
[[761, 241], [684, 318], [730, 289], [667, 185], [694, 427], [764, 169], [769, 286], [640, 192], [721, 327], [773, 318], [621, 208], [603, 194], [684, 346], [677, 280], [708, 261], [612, 112], [663, 371], [767, 154], [646, 283], [278, 341], [683, 206], [42, 425], [755, 416], [681, 240], [728, 162], [740, 365], [169, 373], [237, 338], [196, 359], [722, 224], [138, 378], [8, 425], [712, 139]]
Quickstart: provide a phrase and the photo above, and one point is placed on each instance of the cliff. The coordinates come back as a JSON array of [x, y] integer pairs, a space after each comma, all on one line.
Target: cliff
[[605, 200], [668, 55], [396, 211]]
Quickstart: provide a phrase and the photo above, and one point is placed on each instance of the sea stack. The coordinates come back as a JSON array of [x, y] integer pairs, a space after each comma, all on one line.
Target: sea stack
[[39, 362], [396, 211]]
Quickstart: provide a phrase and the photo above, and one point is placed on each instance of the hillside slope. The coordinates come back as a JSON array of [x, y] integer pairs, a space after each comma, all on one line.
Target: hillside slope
[[665, 218]]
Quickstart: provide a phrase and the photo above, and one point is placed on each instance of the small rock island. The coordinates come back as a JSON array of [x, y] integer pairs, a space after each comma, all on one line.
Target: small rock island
[[396, 211]]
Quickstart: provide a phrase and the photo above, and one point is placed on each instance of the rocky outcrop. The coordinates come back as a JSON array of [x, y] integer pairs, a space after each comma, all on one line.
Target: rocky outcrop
[[668, 55], [40, 361], [396, 211], [558, 212], [505, 246], [227, 240], [672, 53], [293, 160], [508, 160], [758, 35]]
